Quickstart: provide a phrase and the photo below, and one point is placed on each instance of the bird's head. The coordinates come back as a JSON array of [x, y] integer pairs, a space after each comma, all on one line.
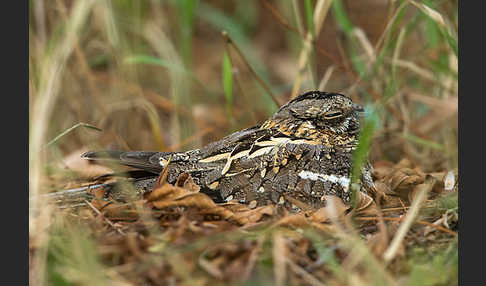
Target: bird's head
[[325, 112]]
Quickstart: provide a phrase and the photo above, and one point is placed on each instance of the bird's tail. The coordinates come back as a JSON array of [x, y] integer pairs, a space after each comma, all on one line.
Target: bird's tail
[[72, 198], [144, 160]]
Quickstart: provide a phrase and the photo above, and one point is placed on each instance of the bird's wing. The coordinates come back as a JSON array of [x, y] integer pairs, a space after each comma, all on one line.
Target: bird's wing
[[154, 162], [228, 143]]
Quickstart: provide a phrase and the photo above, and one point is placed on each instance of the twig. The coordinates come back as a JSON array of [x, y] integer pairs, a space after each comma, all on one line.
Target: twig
[[395, 209], [252, 259], [279, 254], [309, 278], [80, 124], [438, 227], [279, 18], [210, 268], [106, 219]]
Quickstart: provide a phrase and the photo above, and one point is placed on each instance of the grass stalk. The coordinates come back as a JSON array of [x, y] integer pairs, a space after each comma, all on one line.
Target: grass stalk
[[72, 128], [412, 213], [48, 92], [320, 12], [231, 43]]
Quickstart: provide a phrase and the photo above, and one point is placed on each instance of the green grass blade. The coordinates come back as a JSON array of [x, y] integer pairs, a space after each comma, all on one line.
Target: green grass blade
[[360, 155], [187, 12], [341, 17], [309, 12], [236, 31], [423, 142], [144, 59], [228, 84], [221, 22]]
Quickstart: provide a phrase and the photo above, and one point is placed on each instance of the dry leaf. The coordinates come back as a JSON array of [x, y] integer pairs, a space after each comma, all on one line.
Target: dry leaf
[[401, 181], [294, 220], [254, 215], [381, 169], [334, 209], [429, 183], [365, 205], [115, 211], [404, 163], [166, 192]]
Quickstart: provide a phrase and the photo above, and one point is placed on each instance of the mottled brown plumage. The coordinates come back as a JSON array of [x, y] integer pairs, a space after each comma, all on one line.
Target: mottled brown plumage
[[303, 152]]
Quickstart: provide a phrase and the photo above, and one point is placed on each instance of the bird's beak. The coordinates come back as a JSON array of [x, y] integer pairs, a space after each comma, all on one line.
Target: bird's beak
[[358, 107]]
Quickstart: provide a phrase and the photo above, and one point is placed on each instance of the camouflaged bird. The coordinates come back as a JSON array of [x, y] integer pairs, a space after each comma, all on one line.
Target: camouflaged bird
[[295, 158]]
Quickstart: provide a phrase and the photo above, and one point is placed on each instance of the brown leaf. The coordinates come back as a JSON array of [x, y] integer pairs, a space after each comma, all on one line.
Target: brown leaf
[[381, 169], [166, 192], [98, 193], [365, 205], [186, 194], [403, 180], [385, 196], [404, 163], [382, 189], [254, 215], [430, 182], [235, 206], [300, 204], [334, 209], [114, 211], [196, 200], [294, 220], [99, 204]]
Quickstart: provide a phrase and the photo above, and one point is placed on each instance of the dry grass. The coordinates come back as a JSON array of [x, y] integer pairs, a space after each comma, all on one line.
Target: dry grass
[[148, 74]]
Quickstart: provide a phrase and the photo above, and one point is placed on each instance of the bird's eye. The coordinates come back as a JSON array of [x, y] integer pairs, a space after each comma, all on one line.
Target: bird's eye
[[333, 114]]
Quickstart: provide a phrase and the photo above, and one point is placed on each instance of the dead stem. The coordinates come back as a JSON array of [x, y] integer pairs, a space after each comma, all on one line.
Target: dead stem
[[229, 42]]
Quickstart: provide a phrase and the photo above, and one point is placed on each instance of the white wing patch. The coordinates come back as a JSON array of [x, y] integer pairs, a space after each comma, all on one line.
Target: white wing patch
[[341, 180], [162, 162]]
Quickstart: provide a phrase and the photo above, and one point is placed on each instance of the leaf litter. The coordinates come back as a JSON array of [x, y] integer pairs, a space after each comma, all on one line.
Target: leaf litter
[[179, 235]]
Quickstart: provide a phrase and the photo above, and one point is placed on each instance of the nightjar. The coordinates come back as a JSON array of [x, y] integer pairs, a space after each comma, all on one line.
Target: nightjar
[[295, 158]]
